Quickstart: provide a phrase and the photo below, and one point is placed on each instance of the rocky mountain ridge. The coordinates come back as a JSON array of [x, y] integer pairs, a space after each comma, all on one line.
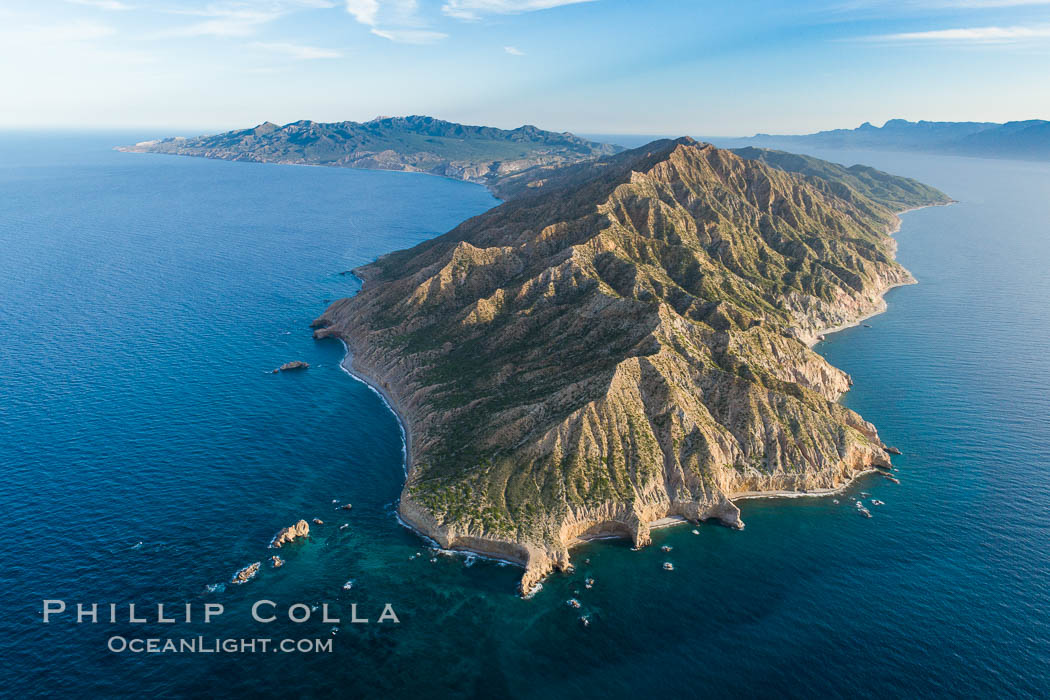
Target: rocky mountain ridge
[[626, 340]]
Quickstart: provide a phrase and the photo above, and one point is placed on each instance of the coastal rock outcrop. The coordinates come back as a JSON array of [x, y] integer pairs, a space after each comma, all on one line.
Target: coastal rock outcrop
[[290, 366], [626, 343], [290, 534], [246, 574]]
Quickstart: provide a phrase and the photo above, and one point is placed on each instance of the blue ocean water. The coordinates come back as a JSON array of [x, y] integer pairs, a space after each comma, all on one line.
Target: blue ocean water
[[147, 452]]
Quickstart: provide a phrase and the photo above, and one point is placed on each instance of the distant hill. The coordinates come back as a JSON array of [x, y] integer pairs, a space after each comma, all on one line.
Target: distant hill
[[1028, 140], [479, 154]]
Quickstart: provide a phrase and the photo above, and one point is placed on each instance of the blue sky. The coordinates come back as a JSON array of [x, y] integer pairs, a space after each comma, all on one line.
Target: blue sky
[[594, 66]]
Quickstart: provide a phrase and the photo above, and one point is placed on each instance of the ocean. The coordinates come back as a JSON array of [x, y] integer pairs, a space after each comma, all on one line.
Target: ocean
[[148, 452]]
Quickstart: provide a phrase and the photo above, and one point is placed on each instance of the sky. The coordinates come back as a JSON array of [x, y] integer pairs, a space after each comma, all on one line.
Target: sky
[[667, 67]]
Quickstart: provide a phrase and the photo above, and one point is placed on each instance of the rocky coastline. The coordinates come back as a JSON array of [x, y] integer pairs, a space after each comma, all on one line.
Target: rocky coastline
[[877, 303], [537, 564]]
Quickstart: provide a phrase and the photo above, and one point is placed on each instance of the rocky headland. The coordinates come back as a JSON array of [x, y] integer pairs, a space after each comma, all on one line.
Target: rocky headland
[[627, 340]]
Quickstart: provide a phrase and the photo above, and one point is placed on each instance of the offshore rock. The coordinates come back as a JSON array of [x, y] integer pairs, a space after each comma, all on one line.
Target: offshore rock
[[290, 534], [289, 366], [246, 574]]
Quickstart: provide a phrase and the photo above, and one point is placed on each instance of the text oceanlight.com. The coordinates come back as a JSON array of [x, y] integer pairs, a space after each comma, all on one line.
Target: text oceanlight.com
[[202, 645]]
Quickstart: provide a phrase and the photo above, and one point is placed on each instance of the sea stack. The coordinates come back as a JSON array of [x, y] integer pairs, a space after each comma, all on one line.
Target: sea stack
[[290, 534]]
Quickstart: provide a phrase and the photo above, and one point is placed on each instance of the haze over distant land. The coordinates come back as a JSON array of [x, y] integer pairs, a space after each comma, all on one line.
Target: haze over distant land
[[1028, 140]]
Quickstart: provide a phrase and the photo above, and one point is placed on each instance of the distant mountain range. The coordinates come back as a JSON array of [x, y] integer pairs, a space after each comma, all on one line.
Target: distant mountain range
[[1028, 140], [479, 154]]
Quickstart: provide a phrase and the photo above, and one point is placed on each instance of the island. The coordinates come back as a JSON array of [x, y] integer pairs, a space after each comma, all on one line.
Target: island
[[480, 154], [1022, 140], [627, 340]]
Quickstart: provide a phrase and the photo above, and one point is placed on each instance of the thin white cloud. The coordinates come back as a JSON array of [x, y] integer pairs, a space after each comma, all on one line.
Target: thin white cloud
[[76, 68], [49, 35], [375, 13], [395, 20], [996, 3], [410, 36], [63, 45], [984, 35], [882, 10], [925, 5], [102, 4], [400, 20], [513, 50], [475, 9], [239, 19], [982, 4], [234, 25], [364, 11], [298, 51]]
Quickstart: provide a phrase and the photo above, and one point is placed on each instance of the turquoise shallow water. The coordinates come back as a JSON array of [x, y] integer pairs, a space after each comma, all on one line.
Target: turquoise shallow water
[[144, 299]]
